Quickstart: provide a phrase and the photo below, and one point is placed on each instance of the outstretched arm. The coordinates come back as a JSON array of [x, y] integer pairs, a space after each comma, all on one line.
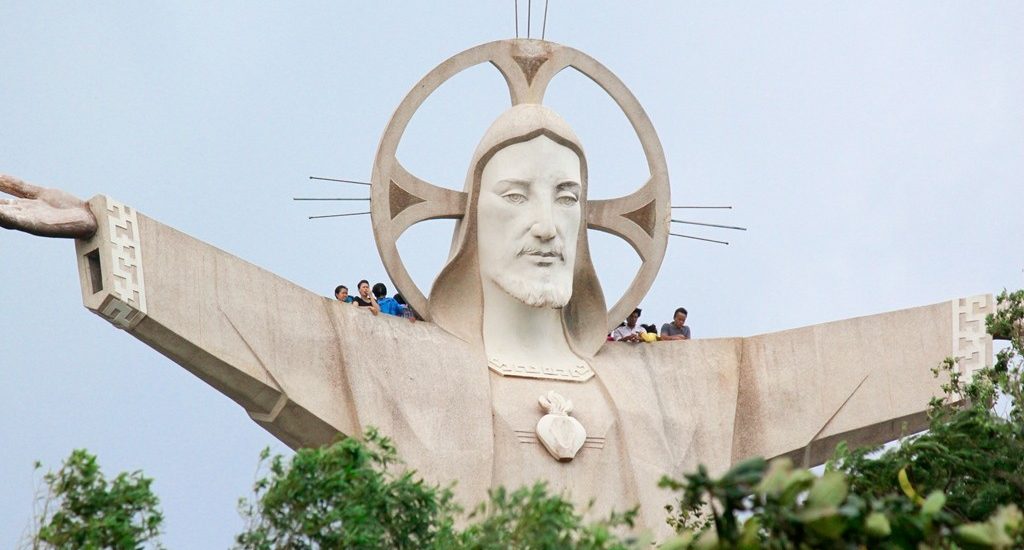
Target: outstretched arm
[[44, 211], [866, 380]]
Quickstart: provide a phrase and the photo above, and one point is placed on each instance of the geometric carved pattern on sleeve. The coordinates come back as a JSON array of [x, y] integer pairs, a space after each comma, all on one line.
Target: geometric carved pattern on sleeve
[[127, 305], [122, 315], [580, 372], [972, 346]]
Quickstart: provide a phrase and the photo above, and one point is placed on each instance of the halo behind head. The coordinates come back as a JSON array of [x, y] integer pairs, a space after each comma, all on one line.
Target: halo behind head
[[400, 199]]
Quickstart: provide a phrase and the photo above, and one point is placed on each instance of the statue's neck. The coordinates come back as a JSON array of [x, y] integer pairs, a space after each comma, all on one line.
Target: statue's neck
[[517, 334]]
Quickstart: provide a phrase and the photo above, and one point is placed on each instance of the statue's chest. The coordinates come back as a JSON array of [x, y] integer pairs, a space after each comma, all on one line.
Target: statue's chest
[[521, 458], [518, 410]]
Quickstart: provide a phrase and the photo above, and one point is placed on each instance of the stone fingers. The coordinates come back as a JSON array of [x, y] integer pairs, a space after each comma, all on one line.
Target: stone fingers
[[41, 219], [12, 214], [43, 211], [18, 188]]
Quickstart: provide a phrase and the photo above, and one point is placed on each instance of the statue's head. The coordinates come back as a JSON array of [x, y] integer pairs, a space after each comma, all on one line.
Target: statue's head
[[524, 230]]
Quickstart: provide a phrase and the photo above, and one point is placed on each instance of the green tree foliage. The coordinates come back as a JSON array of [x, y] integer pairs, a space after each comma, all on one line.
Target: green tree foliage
[[354, 494], [786, 507], [83, 510], [345, 496], [531, 518]]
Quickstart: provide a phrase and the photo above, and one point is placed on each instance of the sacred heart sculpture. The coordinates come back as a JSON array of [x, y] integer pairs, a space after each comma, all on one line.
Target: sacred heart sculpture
[[561, 434]]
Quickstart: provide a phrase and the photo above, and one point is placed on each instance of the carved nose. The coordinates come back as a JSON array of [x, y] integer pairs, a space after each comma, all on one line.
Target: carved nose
[[544, 227]]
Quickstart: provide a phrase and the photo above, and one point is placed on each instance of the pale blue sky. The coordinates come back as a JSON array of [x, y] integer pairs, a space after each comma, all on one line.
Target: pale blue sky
[[876, 152]]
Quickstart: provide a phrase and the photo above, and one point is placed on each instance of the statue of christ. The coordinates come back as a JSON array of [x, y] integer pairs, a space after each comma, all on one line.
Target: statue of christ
[[511, 380]]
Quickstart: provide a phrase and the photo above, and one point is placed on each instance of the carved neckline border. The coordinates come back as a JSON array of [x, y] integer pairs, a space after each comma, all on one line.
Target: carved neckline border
[[580, 372]]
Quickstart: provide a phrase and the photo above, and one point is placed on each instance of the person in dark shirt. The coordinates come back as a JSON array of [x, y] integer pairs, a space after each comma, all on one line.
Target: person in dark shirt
[[677, 329], [366, 298]]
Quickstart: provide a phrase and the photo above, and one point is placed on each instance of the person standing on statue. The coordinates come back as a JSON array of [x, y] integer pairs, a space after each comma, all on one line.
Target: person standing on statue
[[366, 298], [631, 331], [407, 311], [341, 293], [388, 305], [677, 329]]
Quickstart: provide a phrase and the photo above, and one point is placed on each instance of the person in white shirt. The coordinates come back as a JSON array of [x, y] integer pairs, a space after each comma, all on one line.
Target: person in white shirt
[[631, 331]]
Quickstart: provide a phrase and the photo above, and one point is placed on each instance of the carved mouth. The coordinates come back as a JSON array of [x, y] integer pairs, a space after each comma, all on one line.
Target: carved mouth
[[543, 257]]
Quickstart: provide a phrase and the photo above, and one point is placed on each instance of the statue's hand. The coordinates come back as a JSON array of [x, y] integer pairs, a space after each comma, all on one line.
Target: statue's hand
[[44, 212]]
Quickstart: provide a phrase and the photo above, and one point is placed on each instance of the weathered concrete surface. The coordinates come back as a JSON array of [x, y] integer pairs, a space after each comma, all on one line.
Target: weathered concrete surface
[[301, 366]]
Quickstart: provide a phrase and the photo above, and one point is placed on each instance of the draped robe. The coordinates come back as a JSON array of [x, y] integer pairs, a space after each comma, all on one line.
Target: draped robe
[[298, 363]]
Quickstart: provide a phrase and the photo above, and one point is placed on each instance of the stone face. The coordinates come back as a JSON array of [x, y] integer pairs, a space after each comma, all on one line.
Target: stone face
[[293, 360], [529, 201]]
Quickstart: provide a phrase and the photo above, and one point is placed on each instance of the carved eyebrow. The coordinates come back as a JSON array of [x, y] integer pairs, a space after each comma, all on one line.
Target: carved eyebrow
[[505, 184], [568, 186]]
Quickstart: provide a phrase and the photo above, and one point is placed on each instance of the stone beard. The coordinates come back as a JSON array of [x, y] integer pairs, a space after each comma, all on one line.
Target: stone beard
[[528, 220]]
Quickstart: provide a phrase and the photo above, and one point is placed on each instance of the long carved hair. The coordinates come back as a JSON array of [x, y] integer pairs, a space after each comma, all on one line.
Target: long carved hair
[[456, 298]]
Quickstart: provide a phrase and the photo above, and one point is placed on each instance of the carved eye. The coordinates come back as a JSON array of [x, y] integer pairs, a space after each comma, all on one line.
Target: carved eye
[[567, 200], [515, 198]]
